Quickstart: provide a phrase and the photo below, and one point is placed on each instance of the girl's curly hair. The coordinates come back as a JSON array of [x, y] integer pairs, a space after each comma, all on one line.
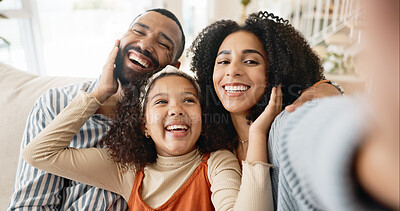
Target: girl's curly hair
[[291, 62], [126, 143]]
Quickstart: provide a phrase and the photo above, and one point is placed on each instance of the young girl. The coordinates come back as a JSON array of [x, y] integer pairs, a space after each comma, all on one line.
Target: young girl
[[161, 162]]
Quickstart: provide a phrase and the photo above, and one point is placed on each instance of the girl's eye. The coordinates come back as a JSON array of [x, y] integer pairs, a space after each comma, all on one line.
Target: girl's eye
[[189, 100], [223, 62], [160, 102]]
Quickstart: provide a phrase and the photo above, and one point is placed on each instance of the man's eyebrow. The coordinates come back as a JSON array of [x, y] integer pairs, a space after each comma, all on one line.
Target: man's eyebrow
[[142, 25], [224, 52], [167, 38], [252, 51]]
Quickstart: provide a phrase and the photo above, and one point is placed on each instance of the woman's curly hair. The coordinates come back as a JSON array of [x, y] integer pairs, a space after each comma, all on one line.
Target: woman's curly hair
[[290, 62], [126, 143]]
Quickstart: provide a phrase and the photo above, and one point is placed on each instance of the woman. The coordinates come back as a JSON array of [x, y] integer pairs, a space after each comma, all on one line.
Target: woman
[[238, 65], [155, 157]]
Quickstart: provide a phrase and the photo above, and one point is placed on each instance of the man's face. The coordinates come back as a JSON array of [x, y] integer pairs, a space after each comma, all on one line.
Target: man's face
[[151, 43]]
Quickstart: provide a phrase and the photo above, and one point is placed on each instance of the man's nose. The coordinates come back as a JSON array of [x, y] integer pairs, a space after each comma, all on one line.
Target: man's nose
[[146, 44]]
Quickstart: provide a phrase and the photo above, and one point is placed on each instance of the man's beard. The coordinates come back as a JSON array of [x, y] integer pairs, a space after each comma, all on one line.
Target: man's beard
[[128, 76]]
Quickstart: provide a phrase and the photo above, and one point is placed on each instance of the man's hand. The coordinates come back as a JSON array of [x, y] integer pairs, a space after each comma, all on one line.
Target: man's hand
[[108, 84], [320, 91]]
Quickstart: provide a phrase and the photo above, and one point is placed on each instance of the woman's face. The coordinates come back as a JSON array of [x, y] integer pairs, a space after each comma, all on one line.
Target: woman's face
[[240, 72], [173, 116]]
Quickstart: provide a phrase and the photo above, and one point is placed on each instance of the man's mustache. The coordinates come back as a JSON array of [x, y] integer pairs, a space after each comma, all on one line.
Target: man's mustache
[[144, 52]]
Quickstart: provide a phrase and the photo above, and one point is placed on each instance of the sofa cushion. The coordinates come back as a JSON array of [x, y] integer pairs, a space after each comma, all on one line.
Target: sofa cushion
[[18, 92]]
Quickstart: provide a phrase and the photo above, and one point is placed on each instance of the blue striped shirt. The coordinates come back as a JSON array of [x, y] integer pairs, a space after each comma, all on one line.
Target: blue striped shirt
[[37, 190]]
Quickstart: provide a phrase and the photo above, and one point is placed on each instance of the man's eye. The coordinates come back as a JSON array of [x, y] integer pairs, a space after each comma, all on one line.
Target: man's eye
[[138, 32], [164, 45]]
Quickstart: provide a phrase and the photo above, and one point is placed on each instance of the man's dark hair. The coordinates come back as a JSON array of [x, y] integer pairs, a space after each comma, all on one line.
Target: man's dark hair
[[171, 15]]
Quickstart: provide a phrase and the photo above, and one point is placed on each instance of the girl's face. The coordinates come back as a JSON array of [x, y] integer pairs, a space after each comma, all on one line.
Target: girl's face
[[173, 116], [240, 72]]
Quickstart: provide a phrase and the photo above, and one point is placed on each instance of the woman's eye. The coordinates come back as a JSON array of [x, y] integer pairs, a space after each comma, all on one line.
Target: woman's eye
[[250, 62], [223, 62]]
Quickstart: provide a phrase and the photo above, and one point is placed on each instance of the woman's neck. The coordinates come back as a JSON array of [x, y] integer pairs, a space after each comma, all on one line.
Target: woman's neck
[[242, 129]]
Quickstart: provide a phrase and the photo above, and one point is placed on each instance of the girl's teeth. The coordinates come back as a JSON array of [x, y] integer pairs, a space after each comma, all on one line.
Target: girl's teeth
[[177, 127]]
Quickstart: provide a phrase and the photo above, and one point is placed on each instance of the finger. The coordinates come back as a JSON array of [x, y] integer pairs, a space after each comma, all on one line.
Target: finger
[[117, 43], [111, 58], [279, 94], [293, 107], [272, 98], [305, 97], [290, 108]]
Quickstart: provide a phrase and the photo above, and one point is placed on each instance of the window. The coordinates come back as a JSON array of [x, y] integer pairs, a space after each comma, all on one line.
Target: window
[[77, 35]]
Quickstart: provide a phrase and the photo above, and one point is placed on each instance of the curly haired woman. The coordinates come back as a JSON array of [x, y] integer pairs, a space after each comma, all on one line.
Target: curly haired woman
[[155, 157], [238, 66]]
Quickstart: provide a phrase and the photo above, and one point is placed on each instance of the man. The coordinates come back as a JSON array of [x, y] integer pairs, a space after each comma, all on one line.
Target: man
[[154, 40]]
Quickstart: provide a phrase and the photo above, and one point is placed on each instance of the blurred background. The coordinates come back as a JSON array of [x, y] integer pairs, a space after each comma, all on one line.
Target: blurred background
[[73, 38]]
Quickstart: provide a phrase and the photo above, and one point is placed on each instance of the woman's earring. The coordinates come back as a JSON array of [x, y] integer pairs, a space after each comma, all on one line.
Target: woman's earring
[[146, 134]]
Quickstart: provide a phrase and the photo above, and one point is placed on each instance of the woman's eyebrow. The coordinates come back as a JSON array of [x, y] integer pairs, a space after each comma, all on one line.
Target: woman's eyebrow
[[224, 52], [246, 51]]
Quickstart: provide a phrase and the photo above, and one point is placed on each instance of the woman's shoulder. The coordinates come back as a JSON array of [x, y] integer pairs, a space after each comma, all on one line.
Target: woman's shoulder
[[222, 159]]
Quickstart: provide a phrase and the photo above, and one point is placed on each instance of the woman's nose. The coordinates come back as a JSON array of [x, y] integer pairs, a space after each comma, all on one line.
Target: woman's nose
[[233, 70]]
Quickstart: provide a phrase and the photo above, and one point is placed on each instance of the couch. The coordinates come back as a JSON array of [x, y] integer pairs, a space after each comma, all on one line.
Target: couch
[[18, 92]]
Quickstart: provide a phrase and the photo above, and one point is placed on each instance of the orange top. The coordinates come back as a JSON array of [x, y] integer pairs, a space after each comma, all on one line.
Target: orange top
[[195, 193]]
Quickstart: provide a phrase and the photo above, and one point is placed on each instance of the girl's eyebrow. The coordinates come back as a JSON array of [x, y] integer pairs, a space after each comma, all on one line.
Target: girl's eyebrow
[[189, 93], [159, 94]]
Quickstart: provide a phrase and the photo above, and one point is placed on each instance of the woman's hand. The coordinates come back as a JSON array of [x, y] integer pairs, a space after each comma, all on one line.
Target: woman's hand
[[108, 84], [264, 121], [258, 133]]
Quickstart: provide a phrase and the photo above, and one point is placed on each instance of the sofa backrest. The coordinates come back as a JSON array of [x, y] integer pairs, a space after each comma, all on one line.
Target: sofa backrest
[[18, 92]]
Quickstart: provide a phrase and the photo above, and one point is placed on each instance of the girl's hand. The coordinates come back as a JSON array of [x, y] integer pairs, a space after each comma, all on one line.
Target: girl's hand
[[264, 121], [108, 84]]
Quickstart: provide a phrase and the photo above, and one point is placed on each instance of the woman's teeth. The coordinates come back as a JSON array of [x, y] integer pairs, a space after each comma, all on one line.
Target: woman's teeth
[[134, 57], [177, 127], [236, 89]]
